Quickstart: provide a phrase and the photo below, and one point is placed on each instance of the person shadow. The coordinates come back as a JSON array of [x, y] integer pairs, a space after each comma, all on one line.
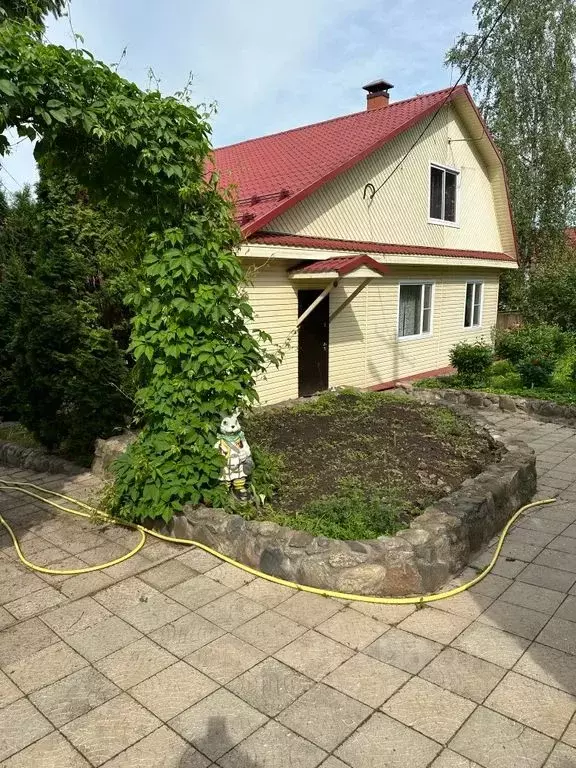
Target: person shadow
[[215, 743]]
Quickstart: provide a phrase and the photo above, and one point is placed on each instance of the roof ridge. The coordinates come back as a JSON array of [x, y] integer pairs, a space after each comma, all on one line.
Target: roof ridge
[[334, 119]]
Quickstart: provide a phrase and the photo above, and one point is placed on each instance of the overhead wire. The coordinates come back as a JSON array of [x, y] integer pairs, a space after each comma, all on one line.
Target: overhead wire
[[444, 101]]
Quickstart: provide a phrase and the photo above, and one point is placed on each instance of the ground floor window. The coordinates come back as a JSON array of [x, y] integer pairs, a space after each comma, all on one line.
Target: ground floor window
[[473, 306], [415, 310]]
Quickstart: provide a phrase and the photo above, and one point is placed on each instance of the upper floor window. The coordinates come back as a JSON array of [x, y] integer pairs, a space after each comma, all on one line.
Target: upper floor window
[[415, 310], [473, 306], [443, 191]]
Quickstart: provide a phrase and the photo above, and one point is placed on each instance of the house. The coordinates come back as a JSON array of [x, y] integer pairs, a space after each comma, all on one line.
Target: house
[[374, 241]]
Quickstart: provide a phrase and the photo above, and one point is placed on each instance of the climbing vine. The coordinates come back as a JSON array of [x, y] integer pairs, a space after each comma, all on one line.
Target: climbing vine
[[148, 155]]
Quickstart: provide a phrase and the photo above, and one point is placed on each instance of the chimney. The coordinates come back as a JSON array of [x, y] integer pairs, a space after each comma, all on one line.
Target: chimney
[[377, 94]]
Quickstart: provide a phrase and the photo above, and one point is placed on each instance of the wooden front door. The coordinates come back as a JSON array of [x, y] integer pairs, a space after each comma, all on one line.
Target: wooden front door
[[313, 339]]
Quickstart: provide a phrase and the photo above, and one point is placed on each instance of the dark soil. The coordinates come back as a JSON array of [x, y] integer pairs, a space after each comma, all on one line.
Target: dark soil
[[416, 452]]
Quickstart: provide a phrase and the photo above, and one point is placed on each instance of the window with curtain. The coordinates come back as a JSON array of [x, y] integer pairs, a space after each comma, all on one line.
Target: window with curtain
[[473, 306], [443, 190], [415, 310]]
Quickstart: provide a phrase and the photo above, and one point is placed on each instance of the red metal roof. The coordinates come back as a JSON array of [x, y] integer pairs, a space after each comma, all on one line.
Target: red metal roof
[[302, 241], [343, 265], [272, 173]]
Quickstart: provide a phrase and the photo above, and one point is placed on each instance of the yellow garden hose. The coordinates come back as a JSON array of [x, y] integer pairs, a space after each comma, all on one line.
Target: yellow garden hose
[[94, 513]]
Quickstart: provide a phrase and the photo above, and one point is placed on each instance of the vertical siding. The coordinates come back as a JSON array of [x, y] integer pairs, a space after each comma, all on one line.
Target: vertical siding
[[399, 212], [275, 303], [348, 337], [364, 350]]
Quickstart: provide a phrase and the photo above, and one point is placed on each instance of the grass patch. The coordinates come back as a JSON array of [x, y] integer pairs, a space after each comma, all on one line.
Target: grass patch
[[507, 384], [16, 433], [353, 465]]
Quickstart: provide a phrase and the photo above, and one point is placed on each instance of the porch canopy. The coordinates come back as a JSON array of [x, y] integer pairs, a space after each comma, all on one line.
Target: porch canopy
[[362, 267], [357, 266]]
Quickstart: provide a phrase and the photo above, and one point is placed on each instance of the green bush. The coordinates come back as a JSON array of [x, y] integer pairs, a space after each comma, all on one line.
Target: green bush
[[530, 341], [536, 371], [69, 367], [507, 382], [551, 293], [18, 242], [502, 368], [472, 361]]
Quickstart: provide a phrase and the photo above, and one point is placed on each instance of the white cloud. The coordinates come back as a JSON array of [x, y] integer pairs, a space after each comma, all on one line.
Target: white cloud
[[270, 65]]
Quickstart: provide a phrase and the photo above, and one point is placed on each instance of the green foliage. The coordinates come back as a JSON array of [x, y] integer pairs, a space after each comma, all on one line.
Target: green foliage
[[268, 471], [564, 370], [17, 245], [16, 433], [501, 368], [536, 371], [33, 9], [472, 361], [524, 80], [551, 293], [447, 424], [332, 403], [68, 368], [196, 357], [354, 511], [531, 341]]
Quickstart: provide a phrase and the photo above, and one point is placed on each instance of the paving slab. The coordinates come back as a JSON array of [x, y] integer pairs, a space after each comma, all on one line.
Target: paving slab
[[174, 659]]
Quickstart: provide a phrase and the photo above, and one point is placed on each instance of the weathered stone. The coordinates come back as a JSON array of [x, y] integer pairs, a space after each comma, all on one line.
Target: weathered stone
[[475, 399], [367, 579], [37, 459], [507, 403], [107, 451], [346, 558], [300, 539], [275, 562]]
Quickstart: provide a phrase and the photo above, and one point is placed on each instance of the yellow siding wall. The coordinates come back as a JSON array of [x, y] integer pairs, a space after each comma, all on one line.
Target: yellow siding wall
[[399, 212], [275, 304], [364, 350]]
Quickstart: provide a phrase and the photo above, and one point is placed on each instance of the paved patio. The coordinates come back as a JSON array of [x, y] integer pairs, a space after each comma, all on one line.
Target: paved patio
[[174, 660]]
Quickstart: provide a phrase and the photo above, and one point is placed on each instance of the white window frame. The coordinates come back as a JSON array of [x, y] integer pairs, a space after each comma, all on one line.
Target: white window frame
[[429, 333], [477, 284], [443, 222]]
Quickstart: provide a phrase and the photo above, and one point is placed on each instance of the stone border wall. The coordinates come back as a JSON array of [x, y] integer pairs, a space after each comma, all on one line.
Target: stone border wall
[[543, 410], [15, 455], [418, 560]]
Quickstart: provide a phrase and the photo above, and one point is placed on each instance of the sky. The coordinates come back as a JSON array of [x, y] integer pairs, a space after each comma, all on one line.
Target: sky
[[269, 65]]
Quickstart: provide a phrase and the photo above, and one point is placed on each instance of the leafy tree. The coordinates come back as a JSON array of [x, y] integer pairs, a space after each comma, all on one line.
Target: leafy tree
[[551, 293], [69, 370], [147, 155], [33, 9], [524, 81], [18, 233]]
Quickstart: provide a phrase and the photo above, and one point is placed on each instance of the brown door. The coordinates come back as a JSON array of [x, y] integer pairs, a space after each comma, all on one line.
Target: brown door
[[313, 338]]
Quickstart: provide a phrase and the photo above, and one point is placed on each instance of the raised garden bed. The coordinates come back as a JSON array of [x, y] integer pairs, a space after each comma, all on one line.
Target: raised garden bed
[[360, 465], [433, 545]]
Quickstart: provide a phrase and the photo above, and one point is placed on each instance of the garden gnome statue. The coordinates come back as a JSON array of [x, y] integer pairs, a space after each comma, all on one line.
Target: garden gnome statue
[[239, 464]]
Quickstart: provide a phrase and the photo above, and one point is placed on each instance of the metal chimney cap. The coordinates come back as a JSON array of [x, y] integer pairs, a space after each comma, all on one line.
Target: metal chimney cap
[[377, 86]]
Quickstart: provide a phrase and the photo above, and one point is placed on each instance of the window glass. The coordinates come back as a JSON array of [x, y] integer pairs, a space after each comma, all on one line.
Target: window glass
[[469, 302], [473, 305], [415, 313], [410, 310], [436, 192], [450, 196], [477, 304], [427, 311]]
